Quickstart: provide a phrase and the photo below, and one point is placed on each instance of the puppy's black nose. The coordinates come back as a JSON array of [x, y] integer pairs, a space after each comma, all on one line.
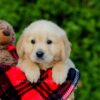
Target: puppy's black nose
[[6, 33], [39, 54]]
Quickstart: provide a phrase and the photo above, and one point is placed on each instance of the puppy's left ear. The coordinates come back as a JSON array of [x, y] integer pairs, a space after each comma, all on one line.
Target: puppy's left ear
[[65, 48]]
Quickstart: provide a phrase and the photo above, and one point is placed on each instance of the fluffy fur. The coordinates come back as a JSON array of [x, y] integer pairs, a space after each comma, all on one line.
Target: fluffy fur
[[7, 37], [49, 38]]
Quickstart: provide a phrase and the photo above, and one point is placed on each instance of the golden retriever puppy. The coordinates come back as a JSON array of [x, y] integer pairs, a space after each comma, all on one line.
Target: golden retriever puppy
[[44, 45]]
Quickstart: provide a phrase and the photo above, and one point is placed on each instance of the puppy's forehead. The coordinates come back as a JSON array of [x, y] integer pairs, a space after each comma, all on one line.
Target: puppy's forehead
[[43, 27]]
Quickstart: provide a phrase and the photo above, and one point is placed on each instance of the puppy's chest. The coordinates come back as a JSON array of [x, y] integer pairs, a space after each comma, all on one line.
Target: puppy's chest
[[44, 67]]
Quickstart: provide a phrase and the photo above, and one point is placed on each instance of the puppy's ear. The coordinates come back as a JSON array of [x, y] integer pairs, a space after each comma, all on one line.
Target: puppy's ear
[[19, 46], [65, 48]]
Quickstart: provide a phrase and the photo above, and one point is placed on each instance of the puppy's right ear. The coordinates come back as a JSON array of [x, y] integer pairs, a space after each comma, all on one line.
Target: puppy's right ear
[[19, 46]]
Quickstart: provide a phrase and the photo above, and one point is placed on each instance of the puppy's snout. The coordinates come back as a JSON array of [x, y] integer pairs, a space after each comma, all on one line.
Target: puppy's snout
[[6, 33], [39, 54]]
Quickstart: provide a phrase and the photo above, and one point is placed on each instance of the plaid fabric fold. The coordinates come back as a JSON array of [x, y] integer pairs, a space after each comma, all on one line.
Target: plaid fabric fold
[[12, 49], [15, 86], [6, 88]]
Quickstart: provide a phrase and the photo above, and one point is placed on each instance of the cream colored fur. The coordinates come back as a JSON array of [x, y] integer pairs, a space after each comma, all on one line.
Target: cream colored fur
[[56, 54]]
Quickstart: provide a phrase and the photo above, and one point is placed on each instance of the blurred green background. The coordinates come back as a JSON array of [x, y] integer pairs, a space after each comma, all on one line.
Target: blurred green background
[[80, 19]]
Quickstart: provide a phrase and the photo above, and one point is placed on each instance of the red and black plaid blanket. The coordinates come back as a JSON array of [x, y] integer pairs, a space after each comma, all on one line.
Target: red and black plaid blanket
[[15, 86]]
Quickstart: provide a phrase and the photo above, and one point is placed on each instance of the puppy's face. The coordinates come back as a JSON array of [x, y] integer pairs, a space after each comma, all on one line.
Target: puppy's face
[[43, 47], [44, 44]]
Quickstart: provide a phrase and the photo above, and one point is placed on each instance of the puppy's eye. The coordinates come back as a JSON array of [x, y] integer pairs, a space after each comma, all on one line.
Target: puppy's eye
[[33, 41], [49, 42]]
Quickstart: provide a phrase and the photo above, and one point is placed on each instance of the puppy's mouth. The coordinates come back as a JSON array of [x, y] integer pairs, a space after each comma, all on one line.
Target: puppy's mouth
[[40, 60], [37, 59]]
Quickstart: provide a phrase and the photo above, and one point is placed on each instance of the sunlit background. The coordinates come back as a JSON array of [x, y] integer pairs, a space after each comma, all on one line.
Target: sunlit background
[[80, 19]]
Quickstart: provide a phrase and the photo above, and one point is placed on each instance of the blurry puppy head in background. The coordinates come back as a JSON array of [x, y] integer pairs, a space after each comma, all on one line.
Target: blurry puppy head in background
[[7, 34]]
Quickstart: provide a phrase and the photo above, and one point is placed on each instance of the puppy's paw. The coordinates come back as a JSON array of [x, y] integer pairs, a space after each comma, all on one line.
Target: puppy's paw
[[59, 74], [33, 75]]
